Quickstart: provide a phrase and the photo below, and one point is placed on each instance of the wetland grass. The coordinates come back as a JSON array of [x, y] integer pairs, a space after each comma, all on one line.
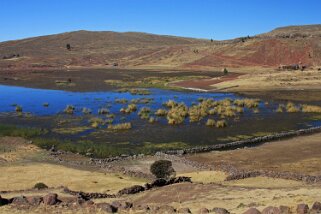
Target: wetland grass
[[210, 122], [69, 109], [120, 126]]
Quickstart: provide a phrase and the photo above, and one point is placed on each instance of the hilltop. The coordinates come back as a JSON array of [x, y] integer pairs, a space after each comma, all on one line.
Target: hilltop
[[285, 45]]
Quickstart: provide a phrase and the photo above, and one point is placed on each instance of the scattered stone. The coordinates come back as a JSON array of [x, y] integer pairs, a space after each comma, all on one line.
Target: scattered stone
[[184, 210], [285, 209], [20, 200], [271, 210], [122, 204], [316, 206], [203, 211], [34, 200], [302, 208], [50, 199], [252, 210], [166, 209], [106, 207], [218, 210]]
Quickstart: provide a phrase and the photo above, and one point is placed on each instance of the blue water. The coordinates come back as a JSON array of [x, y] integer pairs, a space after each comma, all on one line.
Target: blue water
[[32, 100]]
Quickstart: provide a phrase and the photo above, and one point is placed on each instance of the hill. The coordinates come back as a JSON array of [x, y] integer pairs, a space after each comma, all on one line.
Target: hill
[[286, 45]]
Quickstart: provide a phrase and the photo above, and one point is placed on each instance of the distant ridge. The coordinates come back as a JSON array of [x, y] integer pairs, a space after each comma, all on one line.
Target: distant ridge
[[284, 45]]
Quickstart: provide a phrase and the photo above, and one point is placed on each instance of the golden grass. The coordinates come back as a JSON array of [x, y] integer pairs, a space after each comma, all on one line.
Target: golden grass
[[18, 177], [120, 126], [311, 109], [72, 130]]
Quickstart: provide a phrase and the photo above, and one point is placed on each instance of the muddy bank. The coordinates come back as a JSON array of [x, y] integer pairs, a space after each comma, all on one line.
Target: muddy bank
[[87, 80]]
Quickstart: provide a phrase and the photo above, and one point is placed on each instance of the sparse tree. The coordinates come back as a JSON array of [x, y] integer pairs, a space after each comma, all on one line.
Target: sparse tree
[[225, 71], [162, 169], [68, 46]]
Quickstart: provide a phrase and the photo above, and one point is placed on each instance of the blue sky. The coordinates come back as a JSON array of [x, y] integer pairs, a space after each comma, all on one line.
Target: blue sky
[[217, 19]]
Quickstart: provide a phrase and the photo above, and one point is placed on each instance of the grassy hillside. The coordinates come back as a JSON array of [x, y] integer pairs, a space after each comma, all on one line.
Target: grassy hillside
[[286, 45]]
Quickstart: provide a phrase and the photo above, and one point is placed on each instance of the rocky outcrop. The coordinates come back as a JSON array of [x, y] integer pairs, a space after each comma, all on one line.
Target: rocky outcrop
[[131, 190], [3, 201], [50, 199], [252, 210]]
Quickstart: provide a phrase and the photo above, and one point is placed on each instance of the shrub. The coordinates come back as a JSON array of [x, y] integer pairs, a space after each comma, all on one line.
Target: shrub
[[162, 169], [40, 186]]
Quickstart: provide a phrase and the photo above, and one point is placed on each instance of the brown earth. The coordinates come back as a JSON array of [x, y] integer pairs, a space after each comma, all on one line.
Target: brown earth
[[289, 45]]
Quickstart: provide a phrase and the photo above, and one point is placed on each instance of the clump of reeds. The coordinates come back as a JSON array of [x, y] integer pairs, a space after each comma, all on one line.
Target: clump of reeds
[[130, 108], [103, 111], [18, 108], [160, 112], [177, 114], [210, 122], [291, 108], [120, 126], [144, 113], [170, 104], [122, 101], [152, 120], [221, 123], [86, 110], [311, 109], [249, 103], [69, 109], [45, 104], [280, 108]]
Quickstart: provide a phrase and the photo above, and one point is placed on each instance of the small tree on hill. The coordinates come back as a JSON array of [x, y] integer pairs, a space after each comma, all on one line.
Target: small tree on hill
[[162, 169], [225, 71], [68, 46]]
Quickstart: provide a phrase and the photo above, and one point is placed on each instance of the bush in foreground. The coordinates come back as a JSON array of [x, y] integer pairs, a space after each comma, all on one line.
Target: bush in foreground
[[162, 169]]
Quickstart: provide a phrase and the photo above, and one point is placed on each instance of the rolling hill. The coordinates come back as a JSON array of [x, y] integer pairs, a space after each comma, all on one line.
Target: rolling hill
[[286, 45]]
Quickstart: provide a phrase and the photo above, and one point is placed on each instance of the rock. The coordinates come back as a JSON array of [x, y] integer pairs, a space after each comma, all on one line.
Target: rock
[[21, 200], [166, 209], [203, 211], [218, 210], [131, 190], [285, 209], [252, 210], [302, 208], [316, 206], [106, 207], [184, 210], [158, 183], [50, 199], [122, 204], [3, 201], [34, 200], [271, 210]]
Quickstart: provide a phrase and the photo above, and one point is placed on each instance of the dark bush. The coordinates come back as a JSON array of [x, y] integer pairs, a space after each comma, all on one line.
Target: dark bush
[[68, 46], [40, 186], [162, 169], [225, 71]]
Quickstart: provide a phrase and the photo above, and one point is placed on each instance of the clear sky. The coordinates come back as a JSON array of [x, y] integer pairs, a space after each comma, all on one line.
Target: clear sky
[[217, 19]]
